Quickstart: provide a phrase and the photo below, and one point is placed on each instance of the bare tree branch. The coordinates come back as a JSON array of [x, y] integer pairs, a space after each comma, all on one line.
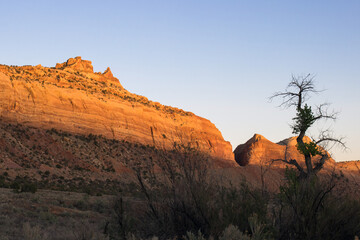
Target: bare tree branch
[[297, 91], [320, 164], [326, 137], [322, 112], [290, 162]]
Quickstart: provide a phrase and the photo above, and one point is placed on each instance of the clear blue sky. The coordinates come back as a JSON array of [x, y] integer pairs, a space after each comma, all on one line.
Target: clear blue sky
[[218, 59]]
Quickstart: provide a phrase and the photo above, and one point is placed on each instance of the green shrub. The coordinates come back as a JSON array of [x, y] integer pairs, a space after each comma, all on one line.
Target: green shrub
[[22, 185], [3, 182], [29, 187]]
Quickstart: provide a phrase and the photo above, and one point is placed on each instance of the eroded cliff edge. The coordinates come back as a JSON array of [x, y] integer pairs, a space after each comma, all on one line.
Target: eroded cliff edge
[[73, 98]]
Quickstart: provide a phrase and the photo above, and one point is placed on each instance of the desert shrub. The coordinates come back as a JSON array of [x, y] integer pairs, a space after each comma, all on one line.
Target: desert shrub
[[259, 230], [233, 233], [123, 222], [132, 236], [33, 232], [339, 218], [238, 203], [99, 206], [309, 209], [48, 216], [82, 204], [23, 185], [180, 194], [29, 187], [192, 236], [84, 230], [3, 182]]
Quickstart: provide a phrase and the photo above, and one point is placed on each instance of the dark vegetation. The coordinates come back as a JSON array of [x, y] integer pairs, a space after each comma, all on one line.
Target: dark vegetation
[[53, 159], [187, 201]]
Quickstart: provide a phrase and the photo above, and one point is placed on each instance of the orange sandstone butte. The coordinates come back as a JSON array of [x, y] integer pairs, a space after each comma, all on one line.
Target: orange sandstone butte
[[260, 151], [71, 97]]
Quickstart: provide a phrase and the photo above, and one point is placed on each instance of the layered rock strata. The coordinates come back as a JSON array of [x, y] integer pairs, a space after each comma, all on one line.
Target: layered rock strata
[[73, 98]]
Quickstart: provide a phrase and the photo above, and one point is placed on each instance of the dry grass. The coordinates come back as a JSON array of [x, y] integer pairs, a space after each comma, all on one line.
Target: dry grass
[[53, 215]]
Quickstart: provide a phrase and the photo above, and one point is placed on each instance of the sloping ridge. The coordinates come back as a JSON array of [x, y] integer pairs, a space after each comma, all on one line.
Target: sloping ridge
[[350, 165], [71, 97]]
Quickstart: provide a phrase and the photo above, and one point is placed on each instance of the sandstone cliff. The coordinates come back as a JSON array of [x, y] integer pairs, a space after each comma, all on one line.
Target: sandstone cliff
[[260, 151], [349, 165], [73, 98]]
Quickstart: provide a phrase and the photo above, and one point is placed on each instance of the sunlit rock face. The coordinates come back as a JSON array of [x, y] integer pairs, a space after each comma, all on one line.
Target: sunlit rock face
[[76, 64], [260, 151], [350, 165], [73, 98]]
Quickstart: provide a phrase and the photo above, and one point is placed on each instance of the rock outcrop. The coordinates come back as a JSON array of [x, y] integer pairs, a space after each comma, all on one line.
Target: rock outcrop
[[349, 165], [73, 98], [260, 151], [76, 64]]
